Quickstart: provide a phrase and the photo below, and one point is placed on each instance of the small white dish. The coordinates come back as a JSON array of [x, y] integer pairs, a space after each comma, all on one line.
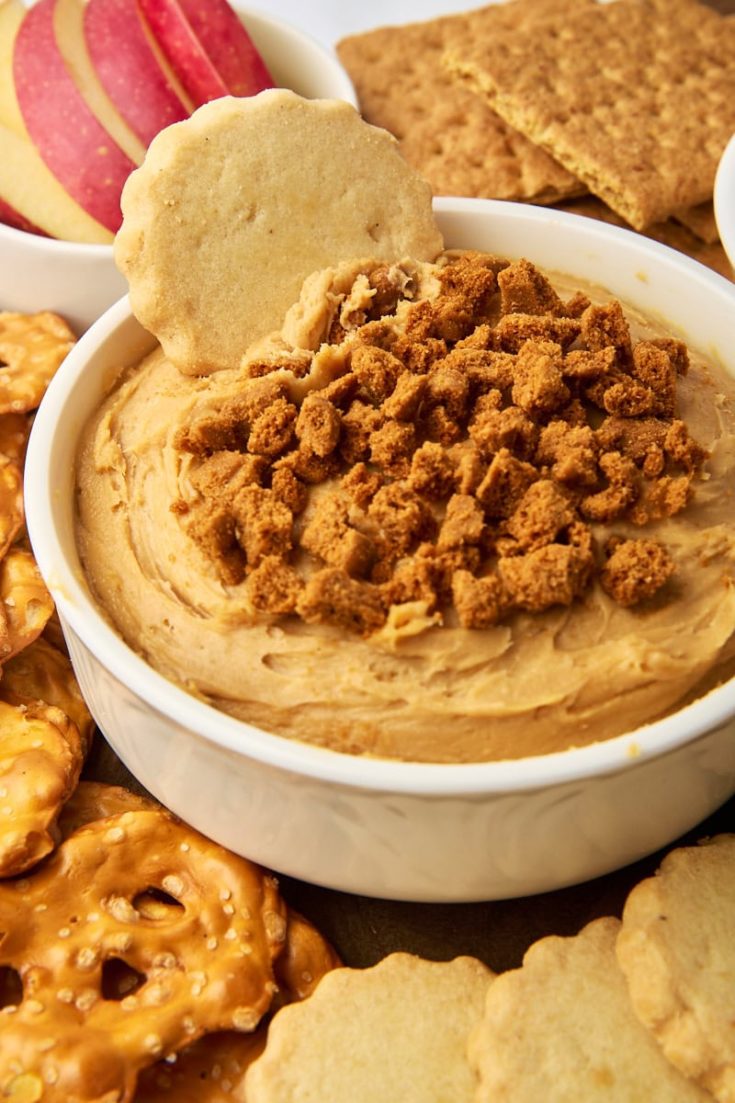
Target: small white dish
[[724, 198], [384, 828], [81, 281]]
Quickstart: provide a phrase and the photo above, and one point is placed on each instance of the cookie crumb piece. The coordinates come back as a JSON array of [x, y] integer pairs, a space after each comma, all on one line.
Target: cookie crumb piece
[[361, 484], [635, 570], [330, 537], [376, 370], [318, 425], [504, 484], [480, 602], [463, 523], [542, 513], [538, 386], [432, 471], [550, 575], [272, 430], [525, 290], [264, 524], [332, 597], [273, 586]]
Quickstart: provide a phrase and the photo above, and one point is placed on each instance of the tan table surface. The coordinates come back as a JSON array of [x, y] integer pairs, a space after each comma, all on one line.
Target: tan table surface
[[363, 930]]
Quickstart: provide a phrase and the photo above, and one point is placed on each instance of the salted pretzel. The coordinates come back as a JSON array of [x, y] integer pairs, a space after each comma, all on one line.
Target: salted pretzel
[[41, 756], [14, 432], [110, 985], [25, 603], [306, 957], [211, 1071], [32, 347], [41, 673], [11, 502]]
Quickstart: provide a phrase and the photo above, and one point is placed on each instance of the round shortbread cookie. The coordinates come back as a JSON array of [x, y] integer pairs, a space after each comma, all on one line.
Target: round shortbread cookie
[[235, 206], [561, 1028], [396, 1031], [677, 950]]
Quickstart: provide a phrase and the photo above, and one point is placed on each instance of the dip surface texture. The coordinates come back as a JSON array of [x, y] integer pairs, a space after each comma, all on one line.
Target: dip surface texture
[[544, 671]]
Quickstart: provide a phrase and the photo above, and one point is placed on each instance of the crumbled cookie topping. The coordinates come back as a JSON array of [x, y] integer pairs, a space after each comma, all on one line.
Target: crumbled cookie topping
[[468, 451]]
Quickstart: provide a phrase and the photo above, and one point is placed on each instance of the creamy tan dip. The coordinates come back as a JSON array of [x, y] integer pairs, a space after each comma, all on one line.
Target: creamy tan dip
[[422, 686]]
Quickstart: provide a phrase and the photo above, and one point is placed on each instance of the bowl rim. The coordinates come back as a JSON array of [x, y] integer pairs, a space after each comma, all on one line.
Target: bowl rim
[[81, 249], [724, 199], [81, 613]]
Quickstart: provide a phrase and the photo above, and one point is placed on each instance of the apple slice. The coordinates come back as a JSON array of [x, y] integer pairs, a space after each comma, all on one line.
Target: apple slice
[[208, 48], [69, 31], [128, 69], [14, 218], [34, 195], [11, 17], [78, 150]]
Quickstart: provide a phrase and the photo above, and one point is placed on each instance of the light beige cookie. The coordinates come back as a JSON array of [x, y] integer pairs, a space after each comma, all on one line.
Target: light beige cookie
[[636, 98], [235, 206], [677, 951], [561, 1028], [394, 1032], [448, 132]]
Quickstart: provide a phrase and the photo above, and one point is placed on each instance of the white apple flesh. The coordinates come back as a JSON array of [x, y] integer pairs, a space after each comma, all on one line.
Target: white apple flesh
[[28, 188]]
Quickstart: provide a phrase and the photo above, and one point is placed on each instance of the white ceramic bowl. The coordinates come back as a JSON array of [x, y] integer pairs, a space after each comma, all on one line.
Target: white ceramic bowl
[[396, 829], [81, 281], [725, 200]]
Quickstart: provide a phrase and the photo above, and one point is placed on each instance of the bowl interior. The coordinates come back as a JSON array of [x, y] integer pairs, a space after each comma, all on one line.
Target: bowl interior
[[692, 301]]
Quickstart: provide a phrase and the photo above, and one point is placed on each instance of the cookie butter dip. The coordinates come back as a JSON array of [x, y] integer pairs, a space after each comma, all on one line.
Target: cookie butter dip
[[451, 512]]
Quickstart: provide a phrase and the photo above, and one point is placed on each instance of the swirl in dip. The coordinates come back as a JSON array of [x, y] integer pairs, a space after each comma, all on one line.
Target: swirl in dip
[[452, 512]]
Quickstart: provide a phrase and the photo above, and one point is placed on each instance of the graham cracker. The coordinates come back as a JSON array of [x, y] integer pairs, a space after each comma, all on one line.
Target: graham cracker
[[635, 97], [447, 132], [701, 221]]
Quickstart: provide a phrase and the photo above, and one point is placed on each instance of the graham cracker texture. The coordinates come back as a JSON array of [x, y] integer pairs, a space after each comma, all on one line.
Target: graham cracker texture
[[447, 132], [700, 220], [635, 97]]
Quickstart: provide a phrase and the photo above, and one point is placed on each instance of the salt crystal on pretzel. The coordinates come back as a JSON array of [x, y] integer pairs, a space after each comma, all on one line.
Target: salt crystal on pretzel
[[24, 600], [40, 760], [32, 347], [41, 673], [108, 990]]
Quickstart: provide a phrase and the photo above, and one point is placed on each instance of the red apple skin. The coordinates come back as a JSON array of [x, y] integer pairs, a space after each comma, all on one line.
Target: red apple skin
[[11, 217], [74, 145], [228, 45], [223, 61], [127, 68]]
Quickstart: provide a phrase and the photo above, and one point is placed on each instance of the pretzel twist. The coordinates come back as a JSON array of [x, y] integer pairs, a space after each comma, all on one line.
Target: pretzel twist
[[191, 929]]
